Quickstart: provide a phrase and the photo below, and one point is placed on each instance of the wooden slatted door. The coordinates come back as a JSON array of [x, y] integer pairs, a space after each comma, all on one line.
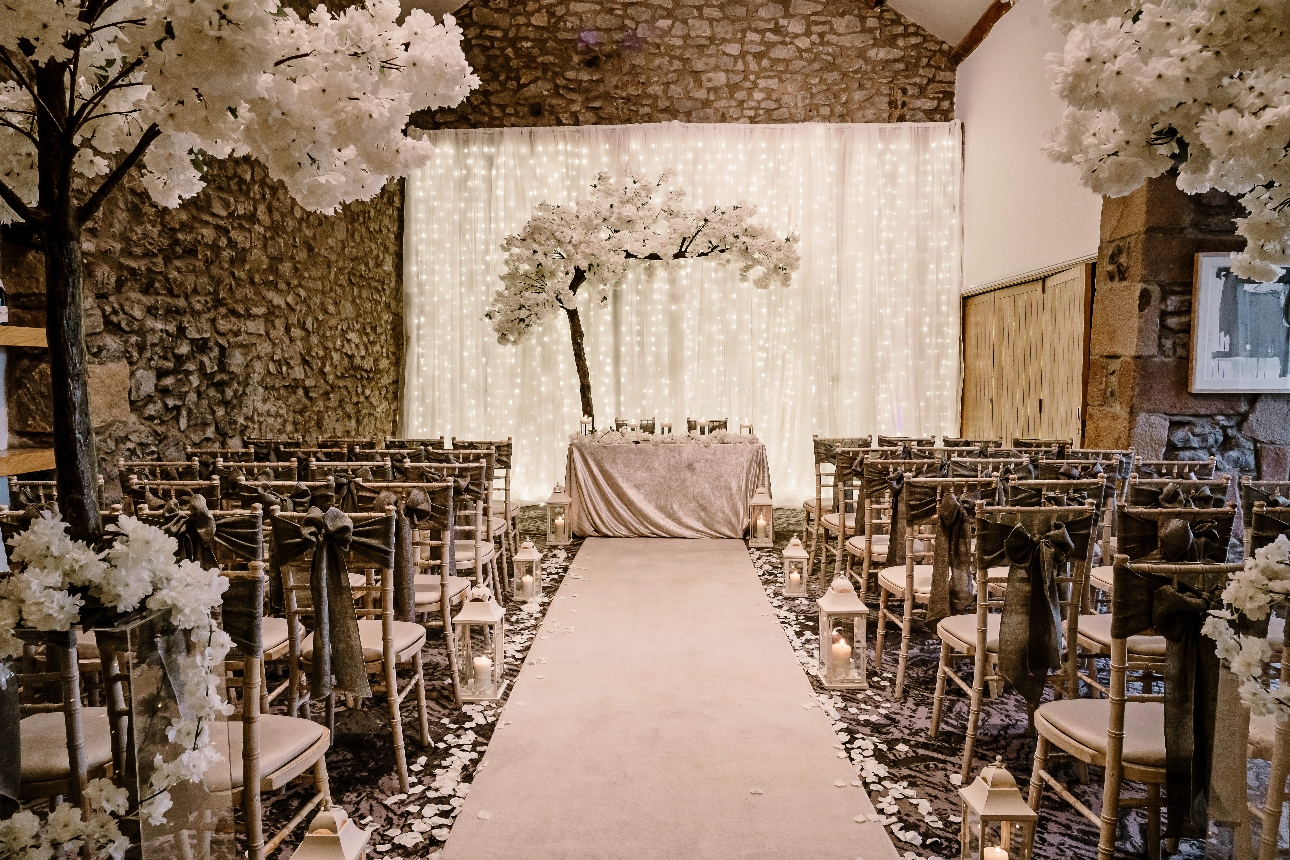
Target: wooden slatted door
[[1024, 358]]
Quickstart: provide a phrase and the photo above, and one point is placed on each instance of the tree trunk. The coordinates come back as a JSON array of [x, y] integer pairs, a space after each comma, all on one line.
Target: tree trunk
[[74, 451], [578, 341], [580, 361]]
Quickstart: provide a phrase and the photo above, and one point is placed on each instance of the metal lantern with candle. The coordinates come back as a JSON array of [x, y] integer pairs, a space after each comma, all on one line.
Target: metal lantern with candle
[[528, 572], [557, 517], [333, 836], [761, 520], [479, 630], [843, 622], [992, 808], [795, 558]]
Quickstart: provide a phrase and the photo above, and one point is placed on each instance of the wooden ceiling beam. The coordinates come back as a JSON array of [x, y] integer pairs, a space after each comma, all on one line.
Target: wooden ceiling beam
[[979, 30]]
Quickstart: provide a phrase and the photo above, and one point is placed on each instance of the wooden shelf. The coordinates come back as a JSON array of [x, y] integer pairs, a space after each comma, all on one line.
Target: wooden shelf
[[20, 461], [17, 335]]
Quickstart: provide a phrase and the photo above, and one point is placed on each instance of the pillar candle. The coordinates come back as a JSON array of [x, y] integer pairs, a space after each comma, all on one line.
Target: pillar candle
[[762, 527], [794, 581], [841, 653], [526, 585], [557, 530], [483, 671], [993, 852]]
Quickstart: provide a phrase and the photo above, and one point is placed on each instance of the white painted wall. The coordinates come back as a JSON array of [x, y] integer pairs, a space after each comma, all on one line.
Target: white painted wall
[[1022, 212]]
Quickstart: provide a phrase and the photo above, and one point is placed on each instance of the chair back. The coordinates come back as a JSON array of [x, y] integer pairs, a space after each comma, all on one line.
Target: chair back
[[959, 442], [1274, 494], [898, 441], [402, 444], [42, 495], [381, 470], [155, 493], [1174, 535], [988, 467], [228, 455], [1265, 526], [234, 540], [1052, 493], [1189, 469], [1177, 492]]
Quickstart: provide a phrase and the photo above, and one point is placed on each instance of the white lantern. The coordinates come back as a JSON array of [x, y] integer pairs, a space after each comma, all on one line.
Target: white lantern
[[992, 808], [761, 520], [528, 572], [333, 835], [557, 517], [795, 558], [479, 632], [844, 620]]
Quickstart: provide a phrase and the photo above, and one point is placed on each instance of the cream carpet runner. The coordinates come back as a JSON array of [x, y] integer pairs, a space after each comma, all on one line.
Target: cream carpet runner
[[662, 714]]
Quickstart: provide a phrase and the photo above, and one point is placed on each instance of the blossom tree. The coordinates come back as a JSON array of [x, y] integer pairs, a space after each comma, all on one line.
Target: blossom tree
[[592, 242], [93, 89], [1200, 85]]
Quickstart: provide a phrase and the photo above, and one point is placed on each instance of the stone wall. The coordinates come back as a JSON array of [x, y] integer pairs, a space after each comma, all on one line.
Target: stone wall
[[624, 61], [1141, 340], [237, 314]]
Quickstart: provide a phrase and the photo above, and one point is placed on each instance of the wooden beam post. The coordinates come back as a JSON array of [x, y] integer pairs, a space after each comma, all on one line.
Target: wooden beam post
[[979, 30]]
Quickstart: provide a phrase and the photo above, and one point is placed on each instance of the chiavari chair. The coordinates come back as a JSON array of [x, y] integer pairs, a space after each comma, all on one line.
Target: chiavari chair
[[386, 644], [473, 548], [825, 451], [505, 515], [1125, 733], [980, 635], [41, 494]]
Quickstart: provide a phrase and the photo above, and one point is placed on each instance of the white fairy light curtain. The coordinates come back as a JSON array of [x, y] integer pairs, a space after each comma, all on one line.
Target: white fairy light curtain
[[866, 340]]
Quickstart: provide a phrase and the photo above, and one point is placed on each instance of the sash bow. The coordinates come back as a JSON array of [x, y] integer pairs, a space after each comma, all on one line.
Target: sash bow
[[1030, 631]]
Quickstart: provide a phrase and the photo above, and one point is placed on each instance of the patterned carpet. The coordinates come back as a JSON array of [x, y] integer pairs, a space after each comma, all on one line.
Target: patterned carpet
[[908, 772]]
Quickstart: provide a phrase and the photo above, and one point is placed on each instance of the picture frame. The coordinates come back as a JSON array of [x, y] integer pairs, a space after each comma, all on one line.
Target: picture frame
[[1240, 333]]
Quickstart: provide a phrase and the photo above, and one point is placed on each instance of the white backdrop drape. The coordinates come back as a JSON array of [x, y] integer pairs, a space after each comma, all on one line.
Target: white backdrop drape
[[866, 340]]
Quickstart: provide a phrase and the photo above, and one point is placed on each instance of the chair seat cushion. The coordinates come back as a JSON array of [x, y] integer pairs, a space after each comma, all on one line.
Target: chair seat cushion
[[497, 525], [826, 502], [428, 588], [960, 630], [44, 744], [893, 579], [87, 647], [274, 632], [282, 739], [407, 637], [1085, 721], [1101, 577], [512, 510], [855, 545], [831, 522], [465, 551], [1096, 629]]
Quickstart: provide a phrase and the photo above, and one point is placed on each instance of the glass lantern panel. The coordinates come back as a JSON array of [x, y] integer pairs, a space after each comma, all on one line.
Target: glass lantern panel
[[794, 577], [528, 584], [970, 838], [475, 661], [761, 522], [557, 527]]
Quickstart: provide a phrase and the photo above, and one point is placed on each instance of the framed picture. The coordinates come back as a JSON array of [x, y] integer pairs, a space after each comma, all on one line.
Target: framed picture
[[1240, 332]]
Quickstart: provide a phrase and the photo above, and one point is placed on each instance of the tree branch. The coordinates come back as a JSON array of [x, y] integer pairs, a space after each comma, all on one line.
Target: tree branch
[[31, 216], [95, 100], [91, 206], [286, 60], [20, 130]]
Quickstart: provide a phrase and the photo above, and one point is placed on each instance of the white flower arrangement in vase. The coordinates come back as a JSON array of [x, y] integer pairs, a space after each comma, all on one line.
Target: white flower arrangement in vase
[[1251, 593], [58, 583]]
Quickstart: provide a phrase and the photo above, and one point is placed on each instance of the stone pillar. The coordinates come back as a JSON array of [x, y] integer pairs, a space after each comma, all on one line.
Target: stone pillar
[[1140, 342]]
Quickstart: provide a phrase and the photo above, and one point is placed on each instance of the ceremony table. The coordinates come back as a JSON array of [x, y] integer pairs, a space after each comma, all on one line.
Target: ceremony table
[[662, 489]]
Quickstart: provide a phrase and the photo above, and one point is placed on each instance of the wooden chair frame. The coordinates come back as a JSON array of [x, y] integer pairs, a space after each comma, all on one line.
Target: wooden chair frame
[[1202, 469]]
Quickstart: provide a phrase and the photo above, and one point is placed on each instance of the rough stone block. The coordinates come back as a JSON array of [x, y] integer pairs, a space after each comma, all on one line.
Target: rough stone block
[[1106, 428], [1150, 436], [1274, 462], [1161, 386], [109, 386], [1126, 320], [1270, 420]]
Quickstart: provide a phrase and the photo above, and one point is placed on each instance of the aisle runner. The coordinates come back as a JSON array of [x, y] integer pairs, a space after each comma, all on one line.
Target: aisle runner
[[662, 714]]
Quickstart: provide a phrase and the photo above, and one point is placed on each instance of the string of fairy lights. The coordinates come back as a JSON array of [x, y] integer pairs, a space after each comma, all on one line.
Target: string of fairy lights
[[866, 340]]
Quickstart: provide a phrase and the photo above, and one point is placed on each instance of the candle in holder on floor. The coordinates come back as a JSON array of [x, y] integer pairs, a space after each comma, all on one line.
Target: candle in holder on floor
[[994, 801], [557, 513], [843, 622], [761, 520], [479, 633], [528, 572], [795, 558]]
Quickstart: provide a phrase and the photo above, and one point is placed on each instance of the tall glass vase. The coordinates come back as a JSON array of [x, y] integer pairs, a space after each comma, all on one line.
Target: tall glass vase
[[142, 659]]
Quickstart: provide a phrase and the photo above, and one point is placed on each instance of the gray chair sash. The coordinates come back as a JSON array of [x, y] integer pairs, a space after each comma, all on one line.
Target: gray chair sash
[[417, 510], [1142, 602], [1267, 525], [331, 537], [952, 560]]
